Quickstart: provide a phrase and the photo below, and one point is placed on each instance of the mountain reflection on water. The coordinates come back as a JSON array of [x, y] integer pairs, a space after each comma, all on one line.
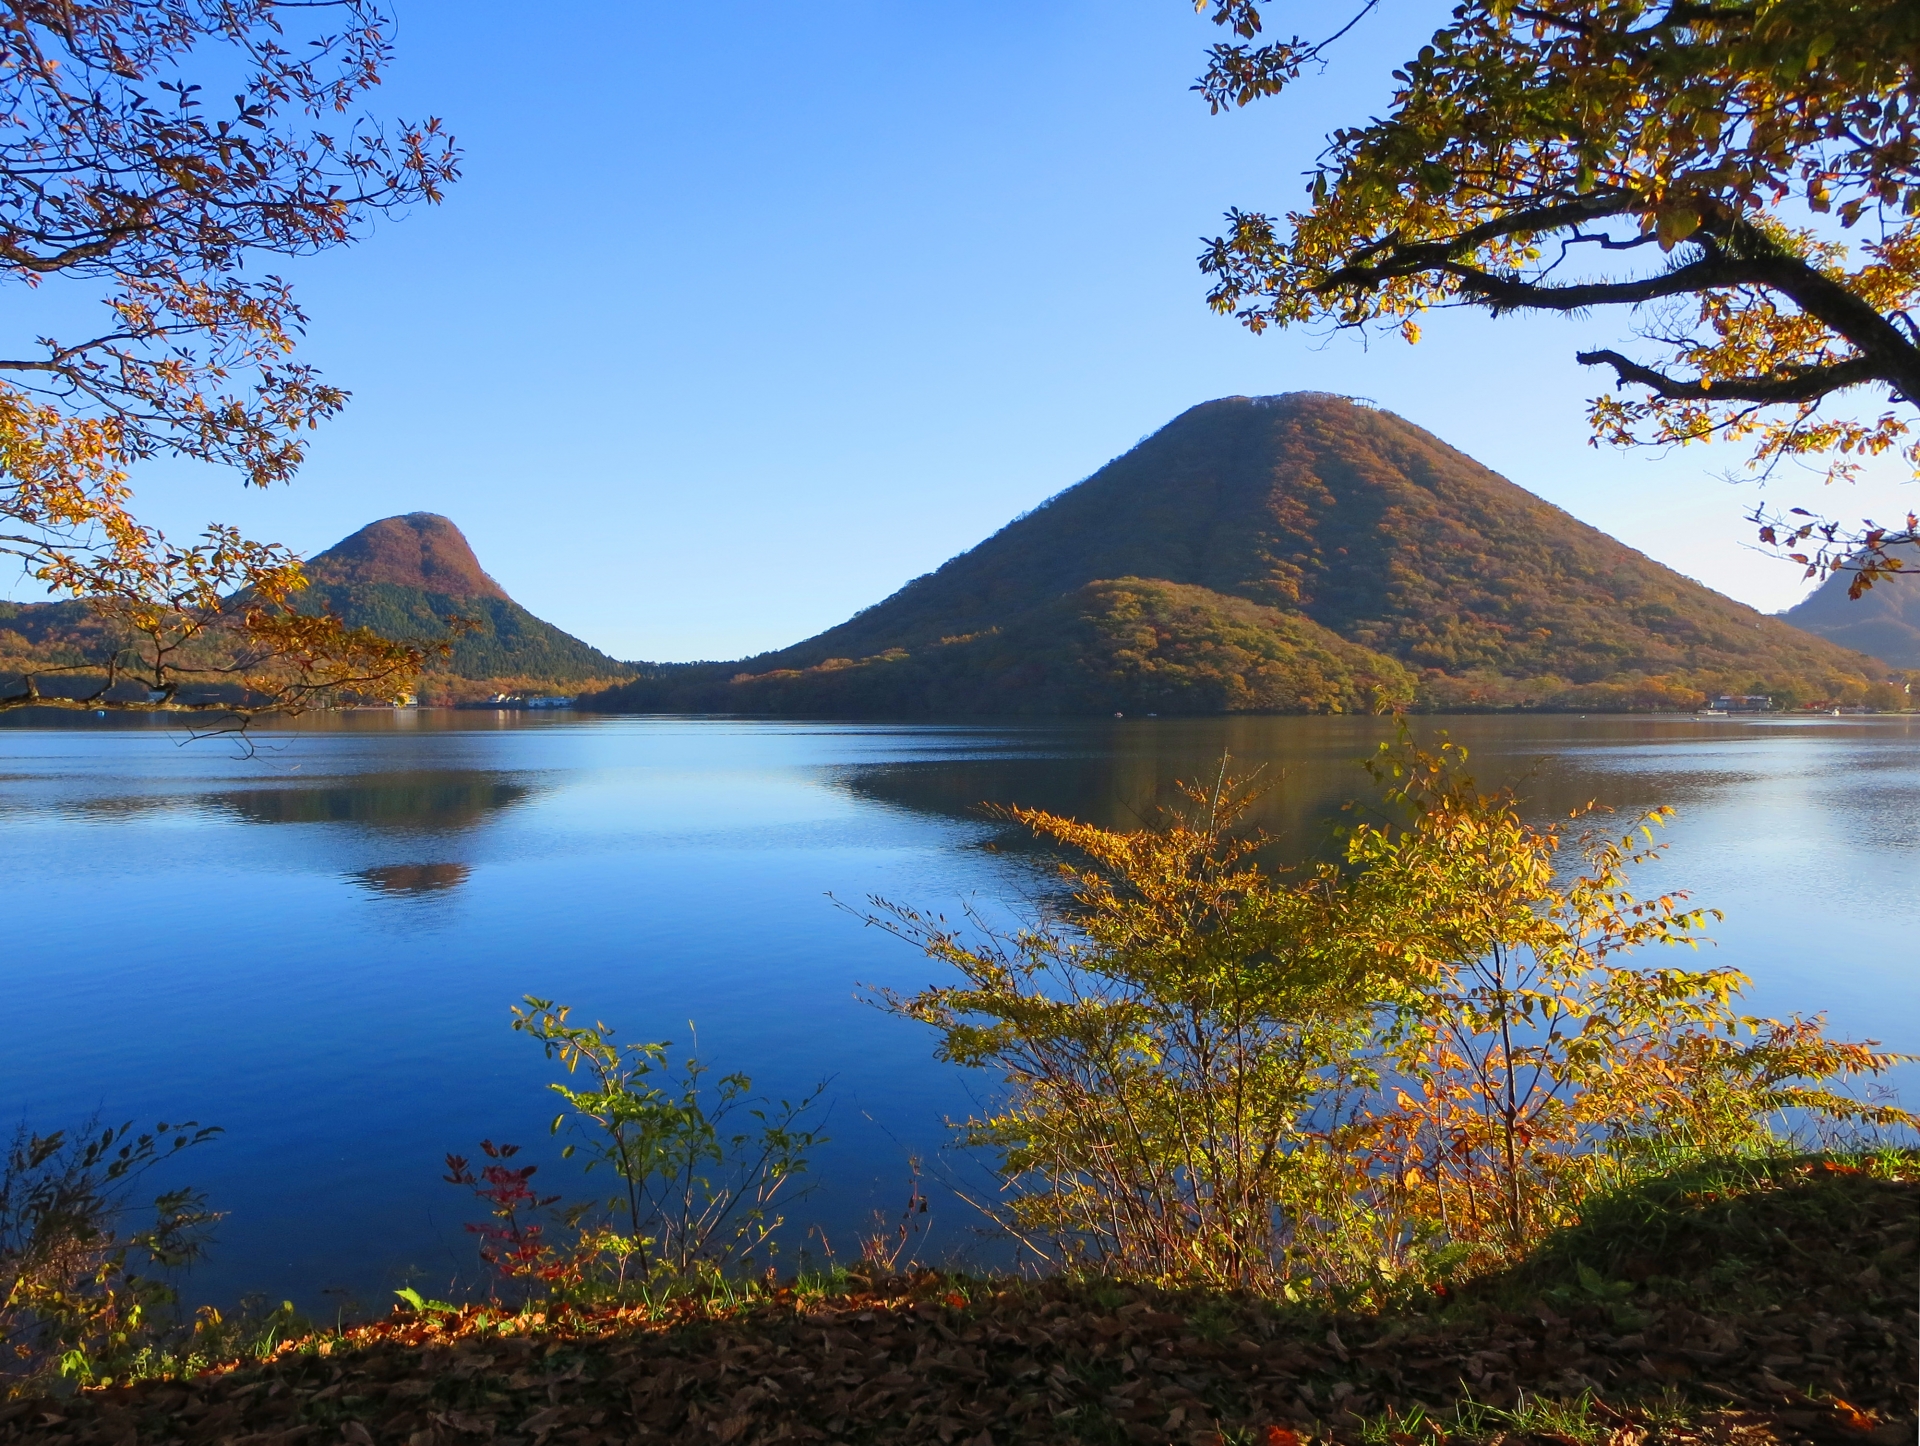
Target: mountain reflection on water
[[424, 802], [333, 989], [1308, 774], [413, 879]]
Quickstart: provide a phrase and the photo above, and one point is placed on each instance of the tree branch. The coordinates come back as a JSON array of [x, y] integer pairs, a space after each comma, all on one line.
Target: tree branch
[[1896, 360], [1807, 384], [1599, 206], [1735, 253], [1510, 293]]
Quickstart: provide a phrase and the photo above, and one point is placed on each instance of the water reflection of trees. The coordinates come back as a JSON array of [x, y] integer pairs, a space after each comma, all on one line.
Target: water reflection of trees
[[427, 802], [1118, 774]]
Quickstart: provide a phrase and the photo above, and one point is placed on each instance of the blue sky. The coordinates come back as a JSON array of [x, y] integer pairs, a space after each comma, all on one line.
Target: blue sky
[[741, 319]]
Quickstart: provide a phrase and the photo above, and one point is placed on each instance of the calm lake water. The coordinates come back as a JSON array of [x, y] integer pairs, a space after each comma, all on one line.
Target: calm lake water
[[316, 946]]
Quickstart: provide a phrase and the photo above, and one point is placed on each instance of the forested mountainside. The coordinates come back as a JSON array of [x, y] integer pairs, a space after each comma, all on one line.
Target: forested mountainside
[[406, 576], [66, 637], [1294, 553], [1129, 644], [1884, 621], [412, 577]]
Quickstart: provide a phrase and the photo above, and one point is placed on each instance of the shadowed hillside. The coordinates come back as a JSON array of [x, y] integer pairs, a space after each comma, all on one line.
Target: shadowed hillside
[[1885, 621], [1310, 523]]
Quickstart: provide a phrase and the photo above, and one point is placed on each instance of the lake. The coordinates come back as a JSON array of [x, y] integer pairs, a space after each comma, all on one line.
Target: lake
[[316, 946]]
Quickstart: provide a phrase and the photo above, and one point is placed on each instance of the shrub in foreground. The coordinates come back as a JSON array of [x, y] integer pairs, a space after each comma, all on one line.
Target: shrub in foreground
[[1360, 1078], [698, 1172], [82, 1281]]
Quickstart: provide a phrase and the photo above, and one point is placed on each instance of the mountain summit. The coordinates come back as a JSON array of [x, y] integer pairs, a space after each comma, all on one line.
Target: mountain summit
[[421, 550], [1290, 553], [416, 577]]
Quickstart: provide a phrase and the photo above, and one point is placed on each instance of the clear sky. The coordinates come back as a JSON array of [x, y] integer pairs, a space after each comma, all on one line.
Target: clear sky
[[741, 319]]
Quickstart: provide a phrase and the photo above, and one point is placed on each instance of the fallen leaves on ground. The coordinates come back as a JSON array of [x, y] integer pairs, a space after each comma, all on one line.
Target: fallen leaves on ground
[[1809, 1336]]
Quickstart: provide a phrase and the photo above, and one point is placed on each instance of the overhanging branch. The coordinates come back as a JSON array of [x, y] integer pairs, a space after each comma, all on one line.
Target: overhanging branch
[[1734, 254], [1405, 259], [1808, 384]]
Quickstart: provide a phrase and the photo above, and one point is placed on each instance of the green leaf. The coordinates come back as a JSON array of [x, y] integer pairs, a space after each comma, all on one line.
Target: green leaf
[[1599, 1287]]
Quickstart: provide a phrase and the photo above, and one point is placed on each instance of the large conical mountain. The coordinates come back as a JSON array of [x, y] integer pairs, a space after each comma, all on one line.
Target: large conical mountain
[[405, 577], [1883, 621], [1291, 553]]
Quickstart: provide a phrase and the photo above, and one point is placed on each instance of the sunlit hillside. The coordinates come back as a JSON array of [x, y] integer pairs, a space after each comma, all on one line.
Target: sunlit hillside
[[1299, 553], [411, 578]]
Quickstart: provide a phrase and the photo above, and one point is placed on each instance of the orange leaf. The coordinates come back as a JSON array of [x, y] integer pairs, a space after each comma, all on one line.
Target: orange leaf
[[1851, 1416]]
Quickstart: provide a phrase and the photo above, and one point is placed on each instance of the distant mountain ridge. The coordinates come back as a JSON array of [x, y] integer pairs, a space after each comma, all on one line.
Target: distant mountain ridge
[[1305, 521], [1884, 621]]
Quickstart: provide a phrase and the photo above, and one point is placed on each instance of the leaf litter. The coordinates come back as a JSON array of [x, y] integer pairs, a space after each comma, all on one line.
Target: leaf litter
[[1776, 1309]]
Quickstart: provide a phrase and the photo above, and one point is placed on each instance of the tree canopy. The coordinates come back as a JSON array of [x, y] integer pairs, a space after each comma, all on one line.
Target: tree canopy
[[1742, 175], [122, 177]]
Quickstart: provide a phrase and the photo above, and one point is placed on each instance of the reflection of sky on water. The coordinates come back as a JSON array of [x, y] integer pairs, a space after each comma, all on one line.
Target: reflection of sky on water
[[316, 947]]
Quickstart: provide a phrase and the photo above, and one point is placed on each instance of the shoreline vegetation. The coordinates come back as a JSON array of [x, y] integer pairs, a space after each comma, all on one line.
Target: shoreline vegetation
[[534, 701], [1738, 1302], [1390, 1152]]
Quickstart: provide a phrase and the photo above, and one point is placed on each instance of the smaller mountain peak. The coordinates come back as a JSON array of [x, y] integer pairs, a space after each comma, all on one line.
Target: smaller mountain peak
[[1884, 621], [421, 549]]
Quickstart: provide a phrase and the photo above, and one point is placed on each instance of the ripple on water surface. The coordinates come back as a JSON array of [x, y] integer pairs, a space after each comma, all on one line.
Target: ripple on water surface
[[315, 946]]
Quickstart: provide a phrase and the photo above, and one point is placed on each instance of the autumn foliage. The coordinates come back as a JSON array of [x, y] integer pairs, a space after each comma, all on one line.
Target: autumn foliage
[[1740, 179], [120, 176], [84, 1266], [1362, 1077], [698, 1172]]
